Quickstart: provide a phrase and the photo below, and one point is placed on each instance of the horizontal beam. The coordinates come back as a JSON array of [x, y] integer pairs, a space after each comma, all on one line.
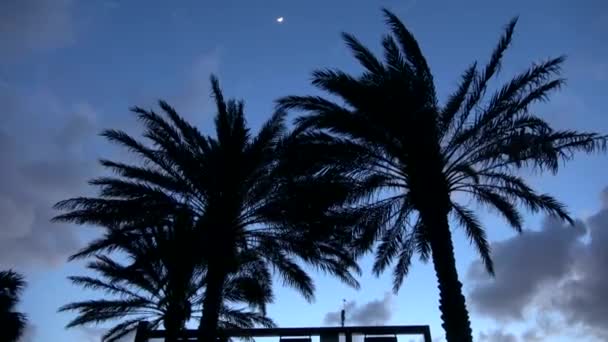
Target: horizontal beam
[[313, 331]]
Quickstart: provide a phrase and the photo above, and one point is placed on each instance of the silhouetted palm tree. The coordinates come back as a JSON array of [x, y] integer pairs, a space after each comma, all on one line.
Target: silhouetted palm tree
[[162, 284], [12, 323], [406, 156], [229, 184]]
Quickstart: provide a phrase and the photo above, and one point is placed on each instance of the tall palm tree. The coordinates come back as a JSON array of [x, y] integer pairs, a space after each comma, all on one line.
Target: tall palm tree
[[405, 156], [230, 186], [12, 322], [162, 285]]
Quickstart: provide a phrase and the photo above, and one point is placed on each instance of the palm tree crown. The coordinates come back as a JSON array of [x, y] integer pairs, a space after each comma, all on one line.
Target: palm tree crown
[[404, 156], [162, 285], [231, 187], [12, 322]]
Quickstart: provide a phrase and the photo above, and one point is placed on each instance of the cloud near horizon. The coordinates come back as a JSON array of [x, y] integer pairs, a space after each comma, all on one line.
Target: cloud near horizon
[[497, 336]]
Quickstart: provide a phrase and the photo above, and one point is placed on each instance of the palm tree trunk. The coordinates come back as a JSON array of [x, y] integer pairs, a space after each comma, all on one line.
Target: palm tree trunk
[[171, 335], [172, 324], [171, 329], [207, 329], [454, 314]]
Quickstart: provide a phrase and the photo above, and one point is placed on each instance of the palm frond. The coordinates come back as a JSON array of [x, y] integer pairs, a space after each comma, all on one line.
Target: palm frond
[[394, 59], [11, 283], [412, 53], [124, 328], [99, 311], [363, 55], [341, 84], [293, 275], [235, 318], [477, 236], [96, 284], [403, 263], [480, 82], [502, 205], [387, 250], [191, 135], [456, 100]]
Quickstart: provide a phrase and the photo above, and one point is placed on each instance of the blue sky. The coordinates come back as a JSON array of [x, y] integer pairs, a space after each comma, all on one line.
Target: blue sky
[[69, 68]]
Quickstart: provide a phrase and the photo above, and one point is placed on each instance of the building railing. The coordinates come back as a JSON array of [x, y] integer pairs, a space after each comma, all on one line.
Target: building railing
[[386, 333]]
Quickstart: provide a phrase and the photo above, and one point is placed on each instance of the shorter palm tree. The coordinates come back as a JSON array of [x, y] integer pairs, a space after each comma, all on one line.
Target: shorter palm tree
[[12, 323], [162, 285]]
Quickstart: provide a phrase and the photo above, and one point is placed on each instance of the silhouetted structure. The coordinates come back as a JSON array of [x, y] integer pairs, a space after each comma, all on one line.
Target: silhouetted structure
[[326, 334]]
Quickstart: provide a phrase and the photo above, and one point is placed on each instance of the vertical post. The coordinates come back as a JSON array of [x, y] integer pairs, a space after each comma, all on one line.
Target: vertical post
[[141, 334], [343, 313], [427, 334], [348, 336]]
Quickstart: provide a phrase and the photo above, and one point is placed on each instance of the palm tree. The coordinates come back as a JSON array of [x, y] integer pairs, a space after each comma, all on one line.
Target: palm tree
[[230, 186], [405, 156], [12, 322], [161, 285]]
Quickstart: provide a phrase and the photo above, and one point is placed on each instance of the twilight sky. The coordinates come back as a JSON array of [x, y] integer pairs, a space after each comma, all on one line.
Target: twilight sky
[[69, 68]]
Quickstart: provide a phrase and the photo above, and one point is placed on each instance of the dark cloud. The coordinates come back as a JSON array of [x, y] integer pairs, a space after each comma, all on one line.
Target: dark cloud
[[375, 312], [42, 164], [556, 276], [541, 332], [497, 336], [524, 264], [536, 334], [582, 297], [47, 146], [34, 25]]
